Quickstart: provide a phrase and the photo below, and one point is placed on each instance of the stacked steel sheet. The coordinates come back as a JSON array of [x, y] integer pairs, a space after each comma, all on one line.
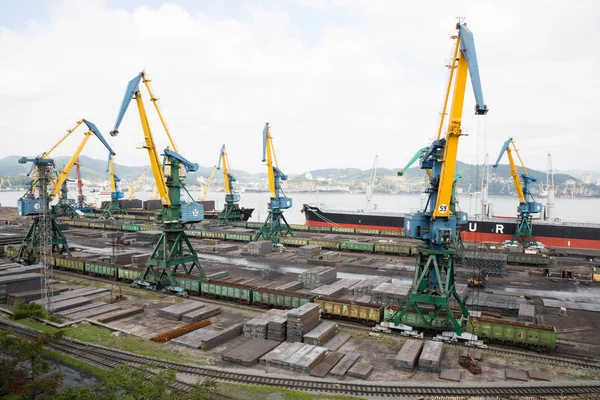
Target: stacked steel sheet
[[148, 236], [92, 312], [218, 275], [208, 338], [205, 312], [365, 286], [315, 277], [494, 264], [331, 256], [322, 333], [408, 355], [176, 311], [250, 352], [18, 283], [337, 341], [297, 357], [70, 303], [260, 247], [258, 327], [335, 289], [345, 364], [431, 356], [19, 270], [360, 370], [527, 313], [309, 251], [290, 286], [389, 293], [365, 299], [302, 320], [330, 361], [483, 301], [277, 328]]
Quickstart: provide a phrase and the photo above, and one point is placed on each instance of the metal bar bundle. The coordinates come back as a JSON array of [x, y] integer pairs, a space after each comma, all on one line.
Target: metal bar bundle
[[309, 251], [113, 316], [315, 277], [70, 303], [18, 283], [408, 355], [92, 312], [277, 328], [180, 331], [302, 320], [527, 313], [330, 361], [258, 327], [322, 333], [260, 247], [431, 356]]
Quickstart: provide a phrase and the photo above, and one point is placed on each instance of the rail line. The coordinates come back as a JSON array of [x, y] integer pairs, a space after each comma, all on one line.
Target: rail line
[[109, 358]]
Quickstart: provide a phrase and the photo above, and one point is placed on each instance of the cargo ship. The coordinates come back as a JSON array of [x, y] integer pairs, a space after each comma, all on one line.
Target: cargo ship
[[493, 230]]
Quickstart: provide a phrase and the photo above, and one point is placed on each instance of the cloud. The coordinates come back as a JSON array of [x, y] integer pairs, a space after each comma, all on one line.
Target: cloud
[[339, 81]]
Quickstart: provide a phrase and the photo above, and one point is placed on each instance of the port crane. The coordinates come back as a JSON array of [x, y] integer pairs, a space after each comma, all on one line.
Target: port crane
[[371, 185], [433, 281], [80, 204], [275, 225], [135, 185], [204, 189], [45, 188], [231, 212], [173, 250], [527, 204]]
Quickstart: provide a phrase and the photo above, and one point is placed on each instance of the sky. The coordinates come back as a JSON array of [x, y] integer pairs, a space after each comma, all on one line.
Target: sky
[[339, 81]]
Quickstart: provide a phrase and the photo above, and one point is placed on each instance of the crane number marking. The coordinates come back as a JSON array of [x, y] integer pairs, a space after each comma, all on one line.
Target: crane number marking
[[443, 208]]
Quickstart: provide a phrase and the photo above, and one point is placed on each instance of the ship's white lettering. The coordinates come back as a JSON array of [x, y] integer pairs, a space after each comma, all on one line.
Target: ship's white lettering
[[499, 228], [472, 226]]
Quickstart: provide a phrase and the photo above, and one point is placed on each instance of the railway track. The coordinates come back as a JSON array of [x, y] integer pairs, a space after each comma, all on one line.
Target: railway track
[[110, 358]]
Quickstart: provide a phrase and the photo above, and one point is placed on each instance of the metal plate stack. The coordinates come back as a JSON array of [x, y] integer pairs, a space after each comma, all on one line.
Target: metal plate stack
[[504, 304], [527, 313], [297, 357], [331, 256], [315, 277], [277, 328], [360, 370], [494, 264], [335, 289], [322, 333], [176, 311], [408, 355], [148, 236], [302, 320], [202, 313], [345, 364], [18, 283], [260, 247], [208, 338], [257, 327], [309, 251], [249, 353], [389, 293], [291, 286], [365, 286], [431, 356]]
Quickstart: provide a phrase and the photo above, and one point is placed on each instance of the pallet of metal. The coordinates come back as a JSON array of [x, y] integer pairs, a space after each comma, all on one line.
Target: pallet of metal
[[176, 311], [120, 314], [365, 286], [335, 289], [219, 337], [260, 247], [321, 333], [250, 352], [258, 326], [301, 320], [337, 341], [308, 251], [307, 361], [315, 277], [408, 356], [431, 356], [179, 331], [18, 283], [390, 293], [360, 370], [83, 292], [92, 312], [203, 313], [342, 367], [527, 313], [277, 356]]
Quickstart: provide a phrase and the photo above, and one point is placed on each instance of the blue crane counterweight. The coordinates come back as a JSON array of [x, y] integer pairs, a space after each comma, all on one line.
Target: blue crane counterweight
[[433, 281]]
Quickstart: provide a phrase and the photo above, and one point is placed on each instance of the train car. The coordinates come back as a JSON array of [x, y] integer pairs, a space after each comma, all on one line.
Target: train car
[[190, 284], [393, 248], [391, 233], [293, 241], [319, 228], [299, 227], [412, 318], [227, 290], [325, 244], [213, 235], [69, 263], [362, 231], [238, 237], [339, 229], [528, 259], [129, 274], [279, 298], [367, 313], [357, 246], [521, 333], [103, 269], [132, 228]]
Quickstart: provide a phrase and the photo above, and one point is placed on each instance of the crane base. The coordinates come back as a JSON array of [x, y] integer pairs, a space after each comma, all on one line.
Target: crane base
[[29, 248], [231, 213], [112, 208], [524, 234], [275, 226]]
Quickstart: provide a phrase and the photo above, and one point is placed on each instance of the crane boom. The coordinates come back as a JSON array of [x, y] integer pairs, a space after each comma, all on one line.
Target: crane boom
[[506, 148], [228, 179], [136, 185], [206, 186]]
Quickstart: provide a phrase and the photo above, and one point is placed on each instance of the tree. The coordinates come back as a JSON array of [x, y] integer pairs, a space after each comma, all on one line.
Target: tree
[[128, 383], [24, 371]]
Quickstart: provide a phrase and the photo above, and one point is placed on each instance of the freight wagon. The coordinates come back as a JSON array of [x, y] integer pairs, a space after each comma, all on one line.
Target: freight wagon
[[227, 290], [280, 298], [367, 313], [531, 259], [529, 335]]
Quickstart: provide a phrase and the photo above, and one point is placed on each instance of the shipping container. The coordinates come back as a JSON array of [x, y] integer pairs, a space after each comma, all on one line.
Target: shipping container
[[227, 290], [325, 244], [101, 269], [293, 241], [279, 298], [357, 246], [530, 335], [366, 313]]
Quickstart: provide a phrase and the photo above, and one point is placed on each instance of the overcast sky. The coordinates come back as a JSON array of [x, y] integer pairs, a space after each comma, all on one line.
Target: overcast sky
[[339, 81]]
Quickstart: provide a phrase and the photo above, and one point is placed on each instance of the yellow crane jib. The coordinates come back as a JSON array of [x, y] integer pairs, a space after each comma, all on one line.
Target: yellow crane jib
[[278, 201], [136, 185], [228, 179], [206, 186]]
